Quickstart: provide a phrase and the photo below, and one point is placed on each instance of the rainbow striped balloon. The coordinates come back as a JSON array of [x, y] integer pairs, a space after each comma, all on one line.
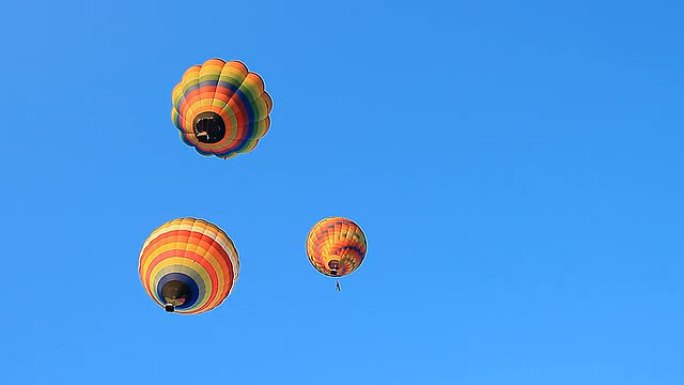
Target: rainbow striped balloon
[[188, 265], [221, 108], [336, 246]]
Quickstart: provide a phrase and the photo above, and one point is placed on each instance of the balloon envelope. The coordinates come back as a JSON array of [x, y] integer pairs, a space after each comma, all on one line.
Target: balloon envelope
[[221, 108], [188, 265], [336, 246]]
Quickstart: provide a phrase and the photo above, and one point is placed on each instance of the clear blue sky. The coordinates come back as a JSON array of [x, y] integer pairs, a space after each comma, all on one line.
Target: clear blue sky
[[516, 166]]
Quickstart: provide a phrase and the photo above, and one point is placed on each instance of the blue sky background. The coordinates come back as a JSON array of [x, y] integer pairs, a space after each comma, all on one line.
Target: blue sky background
[[516, 166]]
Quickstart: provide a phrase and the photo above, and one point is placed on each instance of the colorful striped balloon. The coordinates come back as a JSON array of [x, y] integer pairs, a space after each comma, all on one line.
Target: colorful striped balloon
[[221, 108], [336, 246], [188, 265]]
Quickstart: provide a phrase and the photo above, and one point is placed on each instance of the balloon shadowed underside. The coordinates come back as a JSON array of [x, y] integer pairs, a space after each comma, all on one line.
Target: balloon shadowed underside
[[221, 108], [336, 246], [188, 265]]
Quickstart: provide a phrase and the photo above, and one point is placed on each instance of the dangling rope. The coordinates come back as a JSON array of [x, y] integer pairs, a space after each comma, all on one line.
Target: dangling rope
[[337, 285]]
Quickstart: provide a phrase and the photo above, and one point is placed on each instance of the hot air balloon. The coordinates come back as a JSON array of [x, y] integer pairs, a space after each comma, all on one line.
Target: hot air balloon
[[188, 265], [336, 246], [221, 108]]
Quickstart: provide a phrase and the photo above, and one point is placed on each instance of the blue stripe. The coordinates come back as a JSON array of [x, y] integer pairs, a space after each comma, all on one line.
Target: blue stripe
[[230, 86], [250, 120], [183, 278]]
